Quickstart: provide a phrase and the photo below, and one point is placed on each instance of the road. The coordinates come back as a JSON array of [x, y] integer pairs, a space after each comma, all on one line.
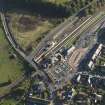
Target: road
[[23, 55], [16, 47], [90, 75], [12, 42], [19, 51]]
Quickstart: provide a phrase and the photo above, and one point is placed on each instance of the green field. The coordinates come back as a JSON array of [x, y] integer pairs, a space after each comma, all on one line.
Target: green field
[[9, 68], [28, 29], [8, 102]]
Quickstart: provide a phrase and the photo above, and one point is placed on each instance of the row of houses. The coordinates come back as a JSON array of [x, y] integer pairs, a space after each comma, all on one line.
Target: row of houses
[[97, 53]]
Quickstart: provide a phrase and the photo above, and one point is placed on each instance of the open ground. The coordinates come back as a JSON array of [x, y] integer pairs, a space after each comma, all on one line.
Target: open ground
[[10, 69], [28, 29]]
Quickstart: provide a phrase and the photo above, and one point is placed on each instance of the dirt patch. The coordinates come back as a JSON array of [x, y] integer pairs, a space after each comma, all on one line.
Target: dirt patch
[[26, 23], [76, 57]]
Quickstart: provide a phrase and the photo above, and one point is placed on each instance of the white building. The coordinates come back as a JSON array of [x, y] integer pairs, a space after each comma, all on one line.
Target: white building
[[91, 65], [94, 57], [70, 50]]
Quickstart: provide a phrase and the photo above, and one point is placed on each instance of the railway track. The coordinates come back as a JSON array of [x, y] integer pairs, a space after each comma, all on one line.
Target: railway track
[[83, 27]]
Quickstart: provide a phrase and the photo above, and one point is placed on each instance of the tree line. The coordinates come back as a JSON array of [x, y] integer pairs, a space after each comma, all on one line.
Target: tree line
[[46, 8]]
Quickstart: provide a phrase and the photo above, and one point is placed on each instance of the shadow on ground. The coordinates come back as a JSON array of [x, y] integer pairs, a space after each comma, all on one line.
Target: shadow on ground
[[101, 36], [40, 7]]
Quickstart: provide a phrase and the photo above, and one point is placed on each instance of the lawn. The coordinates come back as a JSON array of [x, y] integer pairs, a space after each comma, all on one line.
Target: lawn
[[28, 29], [10, 69], [8, 102]]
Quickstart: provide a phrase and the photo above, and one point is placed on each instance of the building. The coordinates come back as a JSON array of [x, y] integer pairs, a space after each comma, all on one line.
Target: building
[[97, 52]]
